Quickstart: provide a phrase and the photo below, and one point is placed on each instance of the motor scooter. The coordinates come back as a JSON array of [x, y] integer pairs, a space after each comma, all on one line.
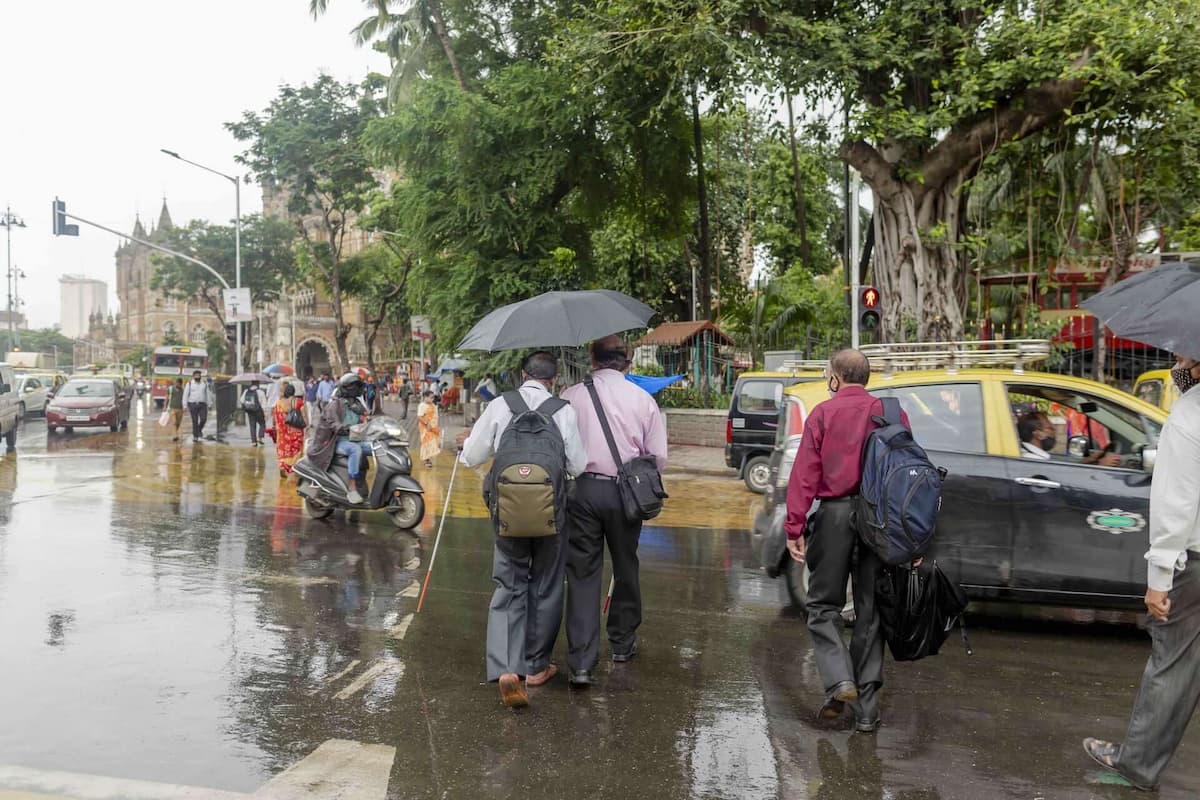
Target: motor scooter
[[392, 487]]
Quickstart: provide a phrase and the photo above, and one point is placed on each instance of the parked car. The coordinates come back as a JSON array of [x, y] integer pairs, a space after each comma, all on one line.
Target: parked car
[[1011, 528], [750, 426], [32, 395], [9, 406], [89, 403]]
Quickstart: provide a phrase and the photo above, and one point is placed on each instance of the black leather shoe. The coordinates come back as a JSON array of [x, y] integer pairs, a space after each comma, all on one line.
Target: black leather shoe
[[580, 678], [866, 725], [841, 694], [621, 658]]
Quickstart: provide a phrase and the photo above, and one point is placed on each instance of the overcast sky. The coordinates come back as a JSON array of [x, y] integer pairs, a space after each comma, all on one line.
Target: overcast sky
[[92, 90]]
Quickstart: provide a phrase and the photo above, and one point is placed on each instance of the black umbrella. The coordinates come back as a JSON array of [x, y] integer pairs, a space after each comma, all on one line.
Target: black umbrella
[[557, 319], [1160, 307]]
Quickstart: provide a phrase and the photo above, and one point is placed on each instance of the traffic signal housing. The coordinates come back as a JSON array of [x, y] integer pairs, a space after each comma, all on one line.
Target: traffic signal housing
[[868, 304], [61, 228]]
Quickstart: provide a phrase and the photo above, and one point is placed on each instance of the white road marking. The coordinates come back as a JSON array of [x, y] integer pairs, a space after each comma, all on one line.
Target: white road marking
[[413, 590], [413, 563], [401, 630], [337, 769], [368, 676], [349, 668]]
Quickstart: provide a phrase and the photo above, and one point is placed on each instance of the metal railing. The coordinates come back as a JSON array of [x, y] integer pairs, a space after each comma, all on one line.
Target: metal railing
[[1016, 354]]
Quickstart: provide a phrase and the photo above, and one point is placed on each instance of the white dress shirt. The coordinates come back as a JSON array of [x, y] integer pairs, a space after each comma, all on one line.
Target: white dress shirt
[[194, 392], [1030, 450], [485, 433], [1175, 493]]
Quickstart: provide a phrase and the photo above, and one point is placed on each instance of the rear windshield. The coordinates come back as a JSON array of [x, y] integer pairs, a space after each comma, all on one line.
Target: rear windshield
[[760, 397], [87, 389]]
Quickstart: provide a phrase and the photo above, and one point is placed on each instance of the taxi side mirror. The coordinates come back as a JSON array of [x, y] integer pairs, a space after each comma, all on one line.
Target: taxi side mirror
[[1149, 456], [1078, 446]]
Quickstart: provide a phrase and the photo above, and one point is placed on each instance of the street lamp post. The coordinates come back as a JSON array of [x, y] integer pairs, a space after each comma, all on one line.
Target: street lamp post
[[237, 239], [9, 221]]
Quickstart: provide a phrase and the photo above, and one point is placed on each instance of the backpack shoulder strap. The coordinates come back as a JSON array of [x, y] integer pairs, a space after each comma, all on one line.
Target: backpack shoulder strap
[[891, 411], [551, 406], [608, 434], [516, 403]]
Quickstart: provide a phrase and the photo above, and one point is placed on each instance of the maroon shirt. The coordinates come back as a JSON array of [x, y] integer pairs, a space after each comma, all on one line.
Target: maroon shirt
[[829, 463]]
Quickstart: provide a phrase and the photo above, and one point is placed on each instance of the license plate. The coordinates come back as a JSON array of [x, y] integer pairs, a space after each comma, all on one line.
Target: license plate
[[78, 418]]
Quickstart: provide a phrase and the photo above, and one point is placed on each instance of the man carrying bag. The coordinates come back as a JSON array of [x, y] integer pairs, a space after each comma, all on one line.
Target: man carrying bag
[[619, 423]]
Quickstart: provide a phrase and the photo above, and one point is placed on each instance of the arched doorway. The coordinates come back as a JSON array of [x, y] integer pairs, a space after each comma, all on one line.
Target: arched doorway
[[312, 359]]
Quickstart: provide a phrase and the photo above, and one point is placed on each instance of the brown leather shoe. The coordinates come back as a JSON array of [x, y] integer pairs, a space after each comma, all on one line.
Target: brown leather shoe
[[542, 677], [512, 691]]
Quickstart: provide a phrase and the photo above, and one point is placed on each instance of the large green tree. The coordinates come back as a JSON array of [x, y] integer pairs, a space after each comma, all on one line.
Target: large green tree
[[307, 146]]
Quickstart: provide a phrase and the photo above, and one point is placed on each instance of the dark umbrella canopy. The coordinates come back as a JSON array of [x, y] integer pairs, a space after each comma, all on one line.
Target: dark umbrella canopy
[[1160, 307], [557, 319]]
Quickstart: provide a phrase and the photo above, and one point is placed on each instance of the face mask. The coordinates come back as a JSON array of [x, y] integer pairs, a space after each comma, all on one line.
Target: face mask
[[1048, 443], [829, 386], [1183, 379]]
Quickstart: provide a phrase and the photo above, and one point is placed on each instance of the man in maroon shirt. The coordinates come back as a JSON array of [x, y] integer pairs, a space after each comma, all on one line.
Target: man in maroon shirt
[[828, 468]]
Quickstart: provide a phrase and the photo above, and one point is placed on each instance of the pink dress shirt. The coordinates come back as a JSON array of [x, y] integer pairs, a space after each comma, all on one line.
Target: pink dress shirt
[[632, 414]]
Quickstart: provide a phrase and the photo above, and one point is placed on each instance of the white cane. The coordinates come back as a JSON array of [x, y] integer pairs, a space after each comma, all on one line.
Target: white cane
[[437, 540]]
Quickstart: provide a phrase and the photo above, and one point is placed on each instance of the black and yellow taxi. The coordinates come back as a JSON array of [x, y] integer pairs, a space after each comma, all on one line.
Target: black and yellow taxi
[[750, 427], [1064, 526]]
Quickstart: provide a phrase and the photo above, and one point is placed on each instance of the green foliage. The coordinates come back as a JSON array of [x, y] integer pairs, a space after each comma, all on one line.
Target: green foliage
[[672, 397], [218, 351], [267, 261], [42, 340]]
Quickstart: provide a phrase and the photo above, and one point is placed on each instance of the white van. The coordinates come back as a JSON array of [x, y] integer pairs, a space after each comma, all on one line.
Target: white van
[[10, 404]]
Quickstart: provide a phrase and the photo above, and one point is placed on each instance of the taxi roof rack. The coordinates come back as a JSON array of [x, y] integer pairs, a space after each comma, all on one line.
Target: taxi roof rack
[[803, 365], [953, 356]]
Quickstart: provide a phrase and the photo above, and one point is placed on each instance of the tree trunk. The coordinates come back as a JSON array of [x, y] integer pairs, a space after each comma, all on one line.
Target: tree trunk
[[919, 280], [443, 37], [801, 210], [702, 199]]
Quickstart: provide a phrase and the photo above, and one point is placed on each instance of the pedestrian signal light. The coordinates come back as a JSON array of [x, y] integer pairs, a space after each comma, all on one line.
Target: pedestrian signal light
[[869, 305], [61, 228]]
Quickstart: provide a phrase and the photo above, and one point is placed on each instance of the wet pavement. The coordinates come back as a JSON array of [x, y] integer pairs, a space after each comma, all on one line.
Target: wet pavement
[[168, 613]]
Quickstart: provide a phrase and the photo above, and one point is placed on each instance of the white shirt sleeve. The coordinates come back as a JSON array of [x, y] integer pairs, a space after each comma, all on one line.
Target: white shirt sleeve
[[572, 442], [480, 444], [1174, 498]]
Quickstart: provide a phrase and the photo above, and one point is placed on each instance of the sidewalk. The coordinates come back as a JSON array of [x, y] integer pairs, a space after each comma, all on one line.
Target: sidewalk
[[685, 459]]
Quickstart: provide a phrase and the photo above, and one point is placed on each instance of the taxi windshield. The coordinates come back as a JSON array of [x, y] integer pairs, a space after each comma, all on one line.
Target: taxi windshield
[[87, 389]]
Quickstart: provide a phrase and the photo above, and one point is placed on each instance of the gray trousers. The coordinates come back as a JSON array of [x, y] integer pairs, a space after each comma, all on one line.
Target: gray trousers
[[1170, 685], [832, 554], [527, 604]]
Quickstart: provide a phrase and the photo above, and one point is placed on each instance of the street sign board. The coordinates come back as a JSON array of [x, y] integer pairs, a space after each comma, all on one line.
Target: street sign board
[[421, 328], [237, 305]]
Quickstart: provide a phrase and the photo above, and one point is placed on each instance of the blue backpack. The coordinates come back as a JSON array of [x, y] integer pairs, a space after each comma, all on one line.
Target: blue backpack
[[897, 505]]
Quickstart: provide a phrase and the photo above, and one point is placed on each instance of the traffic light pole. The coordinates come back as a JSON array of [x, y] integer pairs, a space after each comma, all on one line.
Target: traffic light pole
[[852, 251]]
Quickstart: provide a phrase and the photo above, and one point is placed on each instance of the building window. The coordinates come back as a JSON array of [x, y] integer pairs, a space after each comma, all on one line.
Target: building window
[[169, 328], [168, 303], [199, 335]]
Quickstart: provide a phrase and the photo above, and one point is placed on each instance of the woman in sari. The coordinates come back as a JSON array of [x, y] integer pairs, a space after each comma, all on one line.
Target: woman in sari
[[430, 429], [289, 441]]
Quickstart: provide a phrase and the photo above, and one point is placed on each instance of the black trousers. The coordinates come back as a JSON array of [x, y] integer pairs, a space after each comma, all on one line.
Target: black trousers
[[527, 604], [199, 412], [257, 420], [833, 553], [594, 518]]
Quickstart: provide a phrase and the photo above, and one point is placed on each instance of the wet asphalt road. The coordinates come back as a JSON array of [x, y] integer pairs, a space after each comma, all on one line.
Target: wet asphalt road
[[168, 613]]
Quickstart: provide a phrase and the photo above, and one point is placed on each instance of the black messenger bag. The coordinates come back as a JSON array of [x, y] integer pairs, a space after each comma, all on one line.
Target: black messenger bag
[[638, 479]]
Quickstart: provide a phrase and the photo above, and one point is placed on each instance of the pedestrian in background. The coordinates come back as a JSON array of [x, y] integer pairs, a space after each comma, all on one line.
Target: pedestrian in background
[[406, 393], [596, 515], [325, 391], [289, 439], [828, 468], [527, 605], [254, 403], [175, 406], [196, 395], [429, 428], [1170, 688]]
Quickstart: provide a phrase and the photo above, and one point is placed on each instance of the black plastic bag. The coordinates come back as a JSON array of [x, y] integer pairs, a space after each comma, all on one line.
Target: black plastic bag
[[918, 607]]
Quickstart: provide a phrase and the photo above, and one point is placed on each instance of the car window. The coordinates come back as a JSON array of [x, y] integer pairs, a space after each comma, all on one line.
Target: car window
[[760, 397], [791, 420], [88, 389], [1151, 391], [1103, 423], [943, 416], [32, 383]]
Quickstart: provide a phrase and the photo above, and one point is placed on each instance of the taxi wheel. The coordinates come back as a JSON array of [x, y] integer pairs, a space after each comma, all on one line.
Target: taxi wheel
[[758, 474], [797, 576]]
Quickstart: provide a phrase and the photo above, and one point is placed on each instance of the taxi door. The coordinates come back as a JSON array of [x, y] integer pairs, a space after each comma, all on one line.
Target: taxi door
[[1080, 529]]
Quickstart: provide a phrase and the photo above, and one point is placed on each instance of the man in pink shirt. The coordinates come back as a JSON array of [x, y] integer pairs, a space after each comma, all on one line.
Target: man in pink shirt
[[596, 515]]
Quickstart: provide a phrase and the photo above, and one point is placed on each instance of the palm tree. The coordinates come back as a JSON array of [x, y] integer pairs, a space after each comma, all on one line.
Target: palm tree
[[765, 317]]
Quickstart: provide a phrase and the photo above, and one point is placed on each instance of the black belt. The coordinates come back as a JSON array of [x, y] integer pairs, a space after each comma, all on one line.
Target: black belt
[[596, 476], [843, 499]]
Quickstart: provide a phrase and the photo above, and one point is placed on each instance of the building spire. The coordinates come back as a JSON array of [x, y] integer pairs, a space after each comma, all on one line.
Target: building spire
[[164, 217], [138, 231]]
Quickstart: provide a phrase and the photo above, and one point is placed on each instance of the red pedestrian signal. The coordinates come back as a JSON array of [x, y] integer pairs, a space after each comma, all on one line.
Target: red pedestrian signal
[[869, 306]]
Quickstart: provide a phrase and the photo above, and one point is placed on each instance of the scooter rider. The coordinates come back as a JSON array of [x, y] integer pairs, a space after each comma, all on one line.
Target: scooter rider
[[344, 409]]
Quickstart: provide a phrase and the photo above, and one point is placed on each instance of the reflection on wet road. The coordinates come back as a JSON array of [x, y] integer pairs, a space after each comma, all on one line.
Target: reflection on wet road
[[168, 613]]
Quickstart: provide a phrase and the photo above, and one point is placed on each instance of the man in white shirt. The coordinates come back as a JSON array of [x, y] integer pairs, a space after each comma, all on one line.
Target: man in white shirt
[[1170, 687], [1037, 434], [196, 398], [527, 605]]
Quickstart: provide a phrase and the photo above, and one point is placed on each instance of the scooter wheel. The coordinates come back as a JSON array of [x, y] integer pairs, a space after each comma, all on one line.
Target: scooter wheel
[[316, 510], [407, 510]]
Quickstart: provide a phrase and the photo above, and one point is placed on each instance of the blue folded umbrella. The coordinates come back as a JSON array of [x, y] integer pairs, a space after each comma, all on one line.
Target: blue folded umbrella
[[651, 384]]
